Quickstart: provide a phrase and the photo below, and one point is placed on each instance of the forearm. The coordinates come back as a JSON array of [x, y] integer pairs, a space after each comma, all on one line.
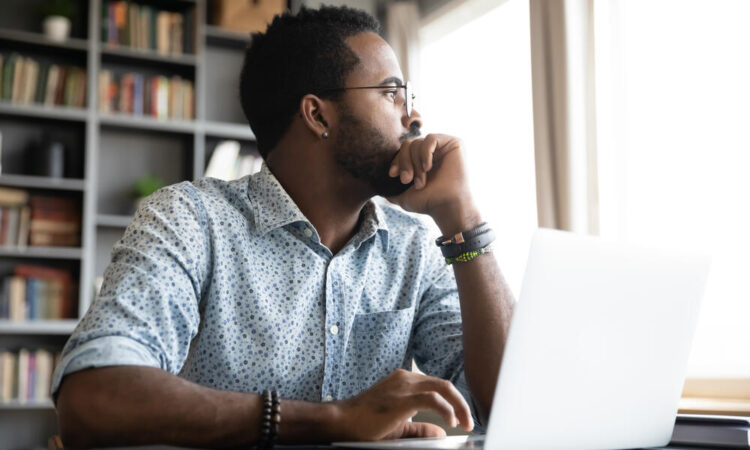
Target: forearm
[[135, 405], [486, 309]]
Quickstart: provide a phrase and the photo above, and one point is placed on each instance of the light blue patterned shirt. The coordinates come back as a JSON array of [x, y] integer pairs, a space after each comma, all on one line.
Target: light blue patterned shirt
[[227, 284]]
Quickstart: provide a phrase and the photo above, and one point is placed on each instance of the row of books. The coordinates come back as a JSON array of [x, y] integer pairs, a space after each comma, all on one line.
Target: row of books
[[23, 80], [157, 96], [145, 27], [26, 375], [38, 220], [37, 293]]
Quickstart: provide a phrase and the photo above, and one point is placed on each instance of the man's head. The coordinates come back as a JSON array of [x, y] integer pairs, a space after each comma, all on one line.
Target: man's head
[[293, 74]]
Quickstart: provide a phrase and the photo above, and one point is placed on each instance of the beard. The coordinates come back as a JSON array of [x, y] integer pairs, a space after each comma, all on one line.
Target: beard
[[366, 154]]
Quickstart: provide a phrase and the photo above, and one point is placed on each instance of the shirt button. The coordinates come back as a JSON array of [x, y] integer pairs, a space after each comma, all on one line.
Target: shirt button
[[328, 398], [308, 232], [334, 330]]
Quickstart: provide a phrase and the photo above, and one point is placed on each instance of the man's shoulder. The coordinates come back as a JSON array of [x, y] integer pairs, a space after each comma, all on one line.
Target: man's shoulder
[[206, 193]]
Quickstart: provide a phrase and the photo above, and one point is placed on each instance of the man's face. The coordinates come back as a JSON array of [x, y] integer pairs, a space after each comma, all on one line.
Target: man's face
[[372, 122]]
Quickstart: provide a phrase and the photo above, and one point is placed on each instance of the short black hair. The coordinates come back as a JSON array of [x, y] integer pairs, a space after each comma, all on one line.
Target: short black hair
[[299, 54]]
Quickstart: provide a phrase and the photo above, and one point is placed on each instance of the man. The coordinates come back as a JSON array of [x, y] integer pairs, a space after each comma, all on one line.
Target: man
[[294, 279]]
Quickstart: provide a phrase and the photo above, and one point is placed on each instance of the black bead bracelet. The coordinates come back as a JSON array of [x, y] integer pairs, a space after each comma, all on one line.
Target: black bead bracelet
[[269, 427]]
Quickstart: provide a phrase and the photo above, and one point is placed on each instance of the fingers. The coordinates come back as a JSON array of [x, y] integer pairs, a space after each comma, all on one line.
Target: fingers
[[453, 396], [434, 401], [414, 160], [422, 430]]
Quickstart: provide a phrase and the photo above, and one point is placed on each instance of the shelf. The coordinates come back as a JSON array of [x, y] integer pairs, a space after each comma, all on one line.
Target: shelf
[[115, 52], [41, 252], [42, 111], [113, 220], [41, 40], [33, 181], [220, 36], [229, 130], [147, 123], [31, 404], [49, 327]]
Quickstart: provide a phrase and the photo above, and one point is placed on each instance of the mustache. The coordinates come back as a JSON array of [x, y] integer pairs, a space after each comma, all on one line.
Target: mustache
[[414, 132]]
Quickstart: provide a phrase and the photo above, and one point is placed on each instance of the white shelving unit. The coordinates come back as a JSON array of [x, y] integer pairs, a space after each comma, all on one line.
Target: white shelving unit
[[113, 150]]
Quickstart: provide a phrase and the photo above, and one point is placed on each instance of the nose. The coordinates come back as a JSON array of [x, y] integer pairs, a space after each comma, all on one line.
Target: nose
[[411, 120]]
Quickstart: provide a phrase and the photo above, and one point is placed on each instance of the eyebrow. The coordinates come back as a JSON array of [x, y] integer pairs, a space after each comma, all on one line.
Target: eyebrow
[[394, 80]]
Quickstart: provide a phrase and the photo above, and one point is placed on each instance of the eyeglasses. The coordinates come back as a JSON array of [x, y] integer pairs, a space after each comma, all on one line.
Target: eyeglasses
[[408, 93]]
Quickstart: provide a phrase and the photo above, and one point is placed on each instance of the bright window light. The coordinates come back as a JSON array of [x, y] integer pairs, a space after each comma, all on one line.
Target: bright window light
[[673, 89], [476, 84]]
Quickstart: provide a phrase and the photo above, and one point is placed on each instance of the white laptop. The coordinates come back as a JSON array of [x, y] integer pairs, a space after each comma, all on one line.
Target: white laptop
[[597, 349]]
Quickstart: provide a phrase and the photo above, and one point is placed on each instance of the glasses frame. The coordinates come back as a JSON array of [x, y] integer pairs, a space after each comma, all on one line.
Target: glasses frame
[[408, 93]]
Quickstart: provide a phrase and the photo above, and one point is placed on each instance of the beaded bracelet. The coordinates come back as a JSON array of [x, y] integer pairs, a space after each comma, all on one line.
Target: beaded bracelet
[[269, 428], [468, 256]]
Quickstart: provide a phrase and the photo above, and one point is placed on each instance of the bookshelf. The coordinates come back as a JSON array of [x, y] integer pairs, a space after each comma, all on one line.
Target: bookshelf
[[106, 153]]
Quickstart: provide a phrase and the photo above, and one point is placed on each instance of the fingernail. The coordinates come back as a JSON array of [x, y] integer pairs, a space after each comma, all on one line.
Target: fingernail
[[418, 183], [404, 176], [424, 165], [393, 171]]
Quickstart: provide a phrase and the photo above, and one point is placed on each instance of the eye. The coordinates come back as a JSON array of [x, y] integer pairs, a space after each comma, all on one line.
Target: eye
[[391, 94]]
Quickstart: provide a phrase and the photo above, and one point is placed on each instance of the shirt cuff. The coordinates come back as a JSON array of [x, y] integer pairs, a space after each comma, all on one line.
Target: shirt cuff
[[101, 352]]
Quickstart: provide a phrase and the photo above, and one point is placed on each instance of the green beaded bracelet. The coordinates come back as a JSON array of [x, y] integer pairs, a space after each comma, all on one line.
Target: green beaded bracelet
[[468, 256]]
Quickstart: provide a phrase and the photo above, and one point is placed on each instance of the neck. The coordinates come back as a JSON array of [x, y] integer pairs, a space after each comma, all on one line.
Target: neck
[[330, 198]]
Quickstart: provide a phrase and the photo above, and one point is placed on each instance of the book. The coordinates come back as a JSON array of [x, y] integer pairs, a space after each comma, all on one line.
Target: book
[[58, 292], [11, 237], [18, 79], [51, 88], [44, 361], [13, 197], [9, 70], [8, 374], [17, 298], [22, 375], [24, 227], [41, 84]]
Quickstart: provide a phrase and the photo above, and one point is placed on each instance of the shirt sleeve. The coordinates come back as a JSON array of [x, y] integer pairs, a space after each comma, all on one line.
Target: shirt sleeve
[[438, 335], [147, 310]]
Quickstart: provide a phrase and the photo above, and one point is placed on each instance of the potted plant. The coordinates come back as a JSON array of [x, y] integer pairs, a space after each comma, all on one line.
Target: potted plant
[[145, 186], [57, 19]]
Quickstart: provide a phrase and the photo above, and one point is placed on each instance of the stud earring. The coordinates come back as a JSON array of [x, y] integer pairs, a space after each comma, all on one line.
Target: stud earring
[[325, 135]]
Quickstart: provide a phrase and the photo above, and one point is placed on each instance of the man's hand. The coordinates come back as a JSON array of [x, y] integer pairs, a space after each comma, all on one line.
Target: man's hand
[[384, 410], [440, 189]]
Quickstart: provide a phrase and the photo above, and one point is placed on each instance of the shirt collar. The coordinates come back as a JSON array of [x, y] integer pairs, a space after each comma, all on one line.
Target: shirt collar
[[274, 208]]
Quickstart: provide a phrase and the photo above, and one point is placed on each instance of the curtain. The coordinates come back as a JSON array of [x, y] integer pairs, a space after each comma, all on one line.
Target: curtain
[[562, 66]]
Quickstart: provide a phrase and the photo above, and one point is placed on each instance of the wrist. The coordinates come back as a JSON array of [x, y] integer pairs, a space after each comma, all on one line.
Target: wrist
[[457, 218], [309, 422]]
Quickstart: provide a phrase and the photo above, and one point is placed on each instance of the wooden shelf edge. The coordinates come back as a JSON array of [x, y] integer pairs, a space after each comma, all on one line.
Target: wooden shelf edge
[[228, 130], [28, 37], [122, 51], [119, 120], [38, 327], [113, 220], [56, 112], [691, 405], [31, 404], [42, 252], [41, 182]]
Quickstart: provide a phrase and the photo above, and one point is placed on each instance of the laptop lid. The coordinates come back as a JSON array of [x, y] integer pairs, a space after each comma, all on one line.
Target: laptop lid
[[598, 346]]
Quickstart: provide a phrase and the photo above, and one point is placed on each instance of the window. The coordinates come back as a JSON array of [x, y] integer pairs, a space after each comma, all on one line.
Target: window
[[475, 84], [673, 89]]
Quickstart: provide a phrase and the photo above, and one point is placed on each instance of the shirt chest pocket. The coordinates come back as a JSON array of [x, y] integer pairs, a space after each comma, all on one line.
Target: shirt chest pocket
[[378, 344]]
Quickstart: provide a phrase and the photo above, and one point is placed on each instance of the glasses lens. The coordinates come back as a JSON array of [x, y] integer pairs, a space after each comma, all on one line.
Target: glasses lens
[[409, 99]]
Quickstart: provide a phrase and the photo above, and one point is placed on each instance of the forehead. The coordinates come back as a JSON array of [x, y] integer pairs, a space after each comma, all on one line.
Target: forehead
[[377, 60]]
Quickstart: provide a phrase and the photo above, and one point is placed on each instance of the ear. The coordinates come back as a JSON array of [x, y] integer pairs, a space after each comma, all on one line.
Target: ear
[[316, 114]]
